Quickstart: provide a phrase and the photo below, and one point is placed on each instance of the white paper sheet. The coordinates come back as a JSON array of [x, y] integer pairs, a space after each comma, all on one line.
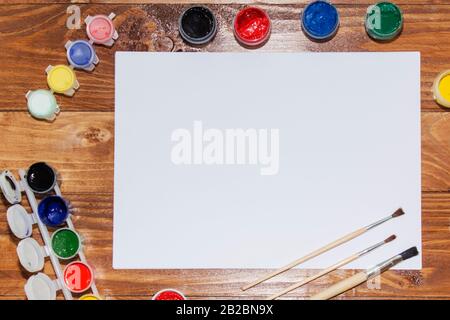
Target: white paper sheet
[[349, 154]]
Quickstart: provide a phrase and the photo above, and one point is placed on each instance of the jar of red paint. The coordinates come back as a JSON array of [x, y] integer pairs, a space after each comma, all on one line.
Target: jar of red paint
[[252, 27]]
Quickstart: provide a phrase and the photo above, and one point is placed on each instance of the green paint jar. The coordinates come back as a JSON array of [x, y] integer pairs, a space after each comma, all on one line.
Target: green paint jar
[[384, 21], [66, 243]]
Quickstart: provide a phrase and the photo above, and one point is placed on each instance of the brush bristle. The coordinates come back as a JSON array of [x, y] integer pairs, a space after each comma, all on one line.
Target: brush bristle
[[391, 238], [411, 252], [398, 213]]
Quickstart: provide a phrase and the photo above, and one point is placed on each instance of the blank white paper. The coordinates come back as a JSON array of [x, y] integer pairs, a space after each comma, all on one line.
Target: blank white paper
[[349, 154]]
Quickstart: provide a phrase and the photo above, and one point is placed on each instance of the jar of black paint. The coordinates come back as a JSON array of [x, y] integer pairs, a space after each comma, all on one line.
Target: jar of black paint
[[197, 25], [41, 178]]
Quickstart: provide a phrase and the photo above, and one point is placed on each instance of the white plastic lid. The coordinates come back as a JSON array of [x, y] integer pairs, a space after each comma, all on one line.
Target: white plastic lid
[[31, 255], [10, 187], [19, 221], [40, 287]]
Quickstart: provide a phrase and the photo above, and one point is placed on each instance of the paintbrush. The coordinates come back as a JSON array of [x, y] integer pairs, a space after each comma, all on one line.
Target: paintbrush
[[361, 277], [329, 246], [332, 268]]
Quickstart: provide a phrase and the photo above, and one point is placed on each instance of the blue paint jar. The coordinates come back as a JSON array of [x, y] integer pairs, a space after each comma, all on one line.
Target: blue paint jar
[[320, 20], [53, 211], [81, 55]]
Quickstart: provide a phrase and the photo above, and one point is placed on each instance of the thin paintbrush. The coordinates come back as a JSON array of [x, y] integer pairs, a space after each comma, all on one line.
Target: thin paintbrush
[[329, 246], [361, 277], [332, 268]]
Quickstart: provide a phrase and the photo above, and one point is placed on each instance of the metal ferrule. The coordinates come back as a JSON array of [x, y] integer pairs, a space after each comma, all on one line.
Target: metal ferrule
[[369, 249], [377, 223], [380, 268]]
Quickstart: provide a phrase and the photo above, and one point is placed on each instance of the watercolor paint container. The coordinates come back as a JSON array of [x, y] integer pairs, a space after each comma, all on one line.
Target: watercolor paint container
[[252, 27], [320, 20], [89, 297], [384, 21], [169, 294], [78, 276], [81, 55], [197, 25], [41, 178], [10, 187], [31, 255], [42, 104], [20, 221], [53, 211], [41, 287], [62, 79], [100, 29], [441, 89], [66, 243]]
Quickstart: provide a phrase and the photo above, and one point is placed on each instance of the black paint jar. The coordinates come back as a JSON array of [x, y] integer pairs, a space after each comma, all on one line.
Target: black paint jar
[[41, 178], [197, 25]]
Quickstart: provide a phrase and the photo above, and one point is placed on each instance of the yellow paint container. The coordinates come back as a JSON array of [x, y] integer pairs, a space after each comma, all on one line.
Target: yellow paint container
[[89, 297], [441, 89], [62, 79]]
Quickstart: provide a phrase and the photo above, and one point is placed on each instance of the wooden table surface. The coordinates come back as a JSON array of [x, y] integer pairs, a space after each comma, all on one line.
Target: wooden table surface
[[79, 144]]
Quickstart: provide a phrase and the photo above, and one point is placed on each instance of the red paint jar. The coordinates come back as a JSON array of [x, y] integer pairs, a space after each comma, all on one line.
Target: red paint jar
[[78, 276], [169, 294], [252, 26]]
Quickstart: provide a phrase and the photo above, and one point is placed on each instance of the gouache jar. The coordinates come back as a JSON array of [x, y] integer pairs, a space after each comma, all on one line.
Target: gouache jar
[[66, 243], [100, 29], [169, 294], [252, 27], [384, 21], [320, 20], [197, 25], [41, 287], [31, 255], [81, 54], [62, 79], [441, 89], [42, 104], [89, 297], [78, 276], [53, 211], [41, 178]]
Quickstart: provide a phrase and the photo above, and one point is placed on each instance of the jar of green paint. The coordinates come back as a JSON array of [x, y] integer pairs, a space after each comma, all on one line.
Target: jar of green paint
[[66, 243], [384, 21]]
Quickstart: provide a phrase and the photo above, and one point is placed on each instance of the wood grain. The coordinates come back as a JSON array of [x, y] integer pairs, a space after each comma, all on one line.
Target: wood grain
[[32, 37], [80, 143]]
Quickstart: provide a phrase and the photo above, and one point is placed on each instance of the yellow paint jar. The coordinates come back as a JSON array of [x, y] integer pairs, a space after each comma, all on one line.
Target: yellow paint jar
[[89, 297], [62, 79], [441, 89]]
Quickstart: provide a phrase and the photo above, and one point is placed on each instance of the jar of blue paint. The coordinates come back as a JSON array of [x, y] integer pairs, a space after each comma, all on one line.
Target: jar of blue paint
[[81, 55], [320, 20], [53, 211]]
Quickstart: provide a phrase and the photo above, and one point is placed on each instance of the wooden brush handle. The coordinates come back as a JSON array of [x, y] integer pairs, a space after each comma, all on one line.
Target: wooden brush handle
[[341, 287], [313, 254]]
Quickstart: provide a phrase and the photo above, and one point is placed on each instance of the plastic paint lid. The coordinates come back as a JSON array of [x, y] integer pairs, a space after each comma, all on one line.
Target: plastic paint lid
[[89, 297], [10, 187], [65, 243], [40, 287], [81, 54], [197, 25], [320, 20], [41, 178], [61, 78], [252, 26], [100, 29], [441, 89], [31, 255], [42, 104], [19, 221], [78, 276], [169, 294], [53, 211], [384, 21]]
